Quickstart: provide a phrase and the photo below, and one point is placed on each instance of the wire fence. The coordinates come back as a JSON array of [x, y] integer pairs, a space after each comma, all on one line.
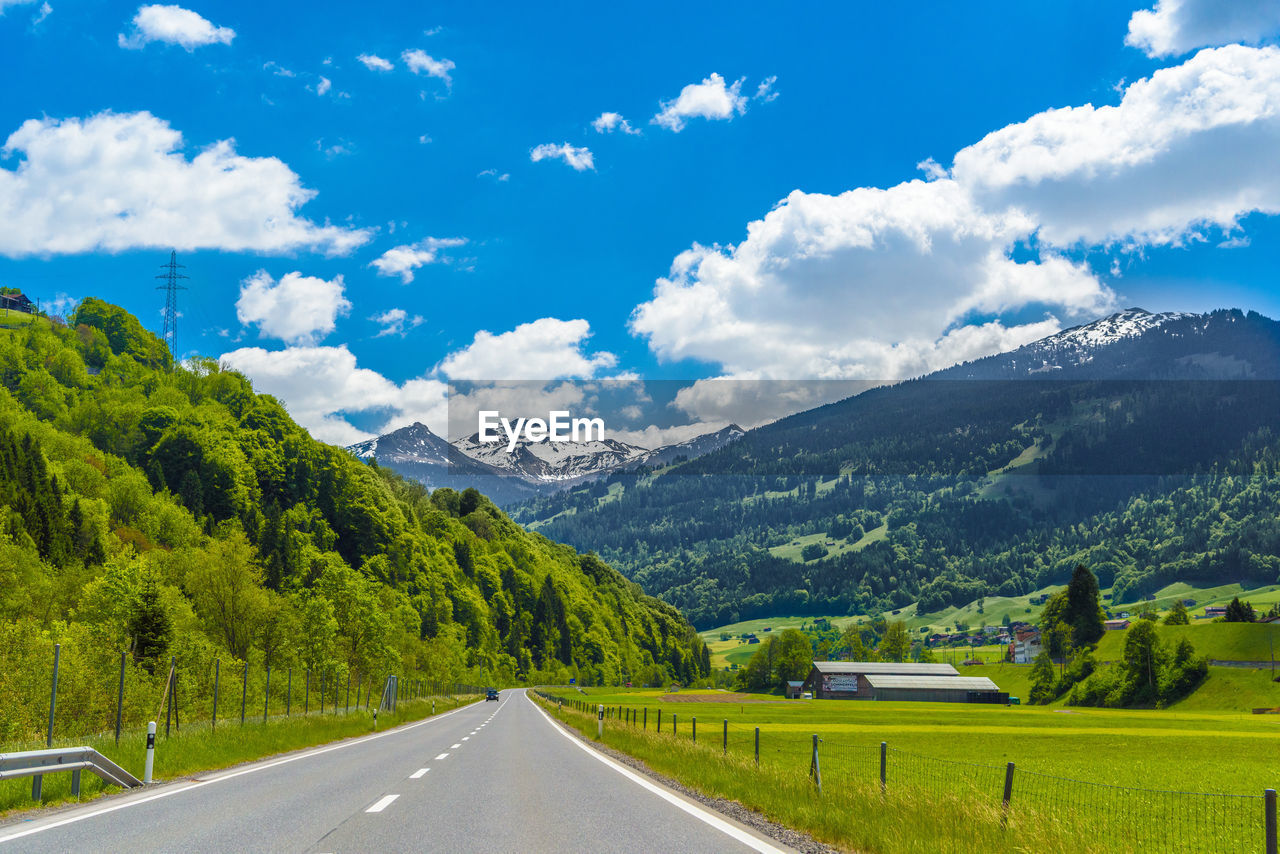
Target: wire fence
[[1129, 818]]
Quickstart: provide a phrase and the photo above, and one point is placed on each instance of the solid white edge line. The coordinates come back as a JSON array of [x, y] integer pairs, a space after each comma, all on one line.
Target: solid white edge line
[[418, 774], [697, 812], [133, 802], [382, 804]]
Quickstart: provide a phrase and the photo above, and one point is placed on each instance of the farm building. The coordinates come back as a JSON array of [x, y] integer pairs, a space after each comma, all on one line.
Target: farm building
[[884, 680], [794, 689], [17, 301], [1116, 625]]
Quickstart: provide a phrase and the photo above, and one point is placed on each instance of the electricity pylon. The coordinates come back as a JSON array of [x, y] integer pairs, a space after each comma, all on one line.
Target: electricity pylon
[[171, 288]]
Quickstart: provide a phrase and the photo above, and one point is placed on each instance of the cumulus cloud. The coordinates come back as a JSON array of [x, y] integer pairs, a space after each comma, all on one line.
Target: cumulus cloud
[[403, 260], [579, 159], [173, 25], [500, 177], [321, 385], [323, 85], [1174, 27], [374, 62], [545, 349], [609, 122], [420, 62], [887, 283], [297, 310], [396, 321], [122, 181], [4, 4], [765, 92], [713, 98]]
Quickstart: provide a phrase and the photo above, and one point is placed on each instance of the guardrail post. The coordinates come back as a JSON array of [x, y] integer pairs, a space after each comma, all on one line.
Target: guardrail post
[[151, 751], [1269, 805], [244, 691], [120, 696], [38, 780], [884, 764], [1008, 794], [217, 679], [266, 696], [75, 783], [815, 770], [757, 747]]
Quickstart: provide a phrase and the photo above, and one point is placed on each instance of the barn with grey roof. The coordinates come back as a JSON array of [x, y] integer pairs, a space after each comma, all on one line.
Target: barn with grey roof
[[890, 680]]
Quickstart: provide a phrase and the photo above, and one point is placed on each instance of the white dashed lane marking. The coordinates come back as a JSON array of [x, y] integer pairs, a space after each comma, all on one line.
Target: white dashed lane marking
[[441, 756], [416, 774], [455, 746], [382, 803]]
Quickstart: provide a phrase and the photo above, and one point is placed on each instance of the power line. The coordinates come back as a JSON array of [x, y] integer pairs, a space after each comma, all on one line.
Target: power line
[[171, 288]]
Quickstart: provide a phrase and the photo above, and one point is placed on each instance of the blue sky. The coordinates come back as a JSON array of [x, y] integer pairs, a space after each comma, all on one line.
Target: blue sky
[[552, 267]]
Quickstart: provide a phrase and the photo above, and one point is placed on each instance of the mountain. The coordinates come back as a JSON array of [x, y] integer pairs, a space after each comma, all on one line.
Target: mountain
[[169, 510], [418, 454], [1145, 445], [531, 469]]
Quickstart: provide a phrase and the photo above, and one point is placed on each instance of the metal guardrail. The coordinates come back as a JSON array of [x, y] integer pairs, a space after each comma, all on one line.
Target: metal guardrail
[[35, 763]]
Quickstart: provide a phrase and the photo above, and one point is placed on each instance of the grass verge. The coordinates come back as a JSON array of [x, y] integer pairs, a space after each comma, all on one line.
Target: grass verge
[[198, 747]]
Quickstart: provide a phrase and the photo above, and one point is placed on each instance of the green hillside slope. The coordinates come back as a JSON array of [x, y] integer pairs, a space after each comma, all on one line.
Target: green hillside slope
[[170, 511]]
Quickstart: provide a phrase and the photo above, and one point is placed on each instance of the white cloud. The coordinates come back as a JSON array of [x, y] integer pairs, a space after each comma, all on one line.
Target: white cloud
[[323, 87], [609, 122], [403, 260], [121, 181], [4, 4], [420, 62], [888, 283], [321, 385], [1175, 27], [374, 62], [173, 25], [297, 310], [43, 12], [1195, 145], [710, 99], [578, 158], [764, 92], [494, 174], [396, 321], [546, 349]]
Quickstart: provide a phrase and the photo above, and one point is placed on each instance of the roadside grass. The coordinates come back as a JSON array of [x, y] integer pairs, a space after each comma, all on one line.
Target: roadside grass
[[197, 747], [1178, 748], [849, 813]]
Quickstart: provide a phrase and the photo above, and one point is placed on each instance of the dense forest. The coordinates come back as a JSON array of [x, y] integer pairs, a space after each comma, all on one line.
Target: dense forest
[[943, 490], [171, 511]]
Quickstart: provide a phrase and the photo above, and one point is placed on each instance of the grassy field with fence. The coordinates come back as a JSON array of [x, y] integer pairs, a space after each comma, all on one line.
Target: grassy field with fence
[[1126, 780]]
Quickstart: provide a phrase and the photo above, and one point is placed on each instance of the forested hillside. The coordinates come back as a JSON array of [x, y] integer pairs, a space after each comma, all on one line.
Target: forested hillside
[[171, 511], [943, 490]]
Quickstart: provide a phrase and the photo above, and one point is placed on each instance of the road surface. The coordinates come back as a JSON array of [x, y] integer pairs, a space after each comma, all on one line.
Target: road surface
[[487, 777]]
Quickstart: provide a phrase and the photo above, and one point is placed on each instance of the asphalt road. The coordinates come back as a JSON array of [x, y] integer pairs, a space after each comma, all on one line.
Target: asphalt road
[[487, 777]]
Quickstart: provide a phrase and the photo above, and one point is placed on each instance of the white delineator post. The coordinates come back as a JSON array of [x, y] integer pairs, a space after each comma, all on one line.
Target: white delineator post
[[600, 722], [151, 751]]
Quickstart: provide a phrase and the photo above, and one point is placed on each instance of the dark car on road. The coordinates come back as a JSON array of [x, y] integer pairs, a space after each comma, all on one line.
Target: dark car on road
[[491, 694]]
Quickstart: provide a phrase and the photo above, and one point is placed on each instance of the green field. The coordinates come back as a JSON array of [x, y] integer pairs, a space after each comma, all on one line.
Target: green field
[[1222, 641], [1081, 777]]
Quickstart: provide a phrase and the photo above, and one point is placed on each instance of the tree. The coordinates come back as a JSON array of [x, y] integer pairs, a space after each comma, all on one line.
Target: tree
[[1240, 612], [1083, 610], [794, 658], [149, 626], [1177, 615], [851, 644], [896, 643], [225, 584], [1144, 658], [1043, 680], [813, 551]]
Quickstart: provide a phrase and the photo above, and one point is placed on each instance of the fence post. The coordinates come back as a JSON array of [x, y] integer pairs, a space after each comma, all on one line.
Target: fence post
[[120, 696], [266, 699], [288, 699], [244, 691], [695, 729], [177, 708], [1269, 804], [1008, 794], [726, 736], [659, 727], [346, 703], [673, 723], [306, 698], [815, 770], [217, 678], [38, 780], [168, 698], [884, 763], [646, 718], [757, 747]]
